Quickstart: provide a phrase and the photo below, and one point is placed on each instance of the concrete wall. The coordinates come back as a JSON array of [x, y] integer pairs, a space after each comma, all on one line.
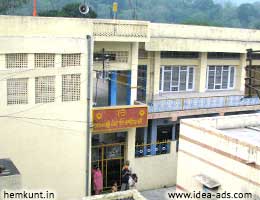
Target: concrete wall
[[217, 156], [47, 140], [156, 171]]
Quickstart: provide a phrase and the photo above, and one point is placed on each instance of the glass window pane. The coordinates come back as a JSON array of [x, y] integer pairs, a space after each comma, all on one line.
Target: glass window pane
[[191, 74], [211, 78], [225, 80], [232, 77], [175, 76], [183, 76], [167, 81], [218, 75]]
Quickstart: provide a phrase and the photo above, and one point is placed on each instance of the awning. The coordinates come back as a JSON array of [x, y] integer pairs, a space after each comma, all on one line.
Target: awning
[[207, 181]]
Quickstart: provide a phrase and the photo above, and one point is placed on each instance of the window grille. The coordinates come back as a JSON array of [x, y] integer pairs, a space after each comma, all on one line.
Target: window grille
[[222, 55], [17, 91], [71, 87], [112, 56], [44, 89], [16, 60], [70, 60], [44, 60], [179, 54]]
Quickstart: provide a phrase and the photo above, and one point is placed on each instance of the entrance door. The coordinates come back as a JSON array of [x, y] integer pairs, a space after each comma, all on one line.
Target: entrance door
[[141, 83], [109, 158]]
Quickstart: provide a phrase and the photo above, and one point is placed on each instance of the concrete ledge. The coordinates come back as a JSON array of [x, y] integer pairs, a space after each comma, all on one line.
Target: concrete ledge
[[129, 194]]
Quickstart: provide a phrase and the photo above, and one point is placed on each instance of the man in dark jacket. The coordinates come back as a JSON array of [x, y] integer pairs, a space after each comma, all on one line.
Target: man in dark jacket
[[125, 177]]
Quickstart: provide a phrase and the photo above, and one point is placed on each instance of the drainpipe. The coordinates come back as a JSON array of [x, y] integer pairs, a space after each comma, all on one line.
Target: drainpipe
[[89, 120]]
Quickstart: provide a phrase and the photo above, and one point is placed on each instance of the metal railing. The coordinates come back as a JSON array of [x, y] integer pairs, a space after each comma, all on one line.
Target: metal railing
[[150, 149], [193, 103]]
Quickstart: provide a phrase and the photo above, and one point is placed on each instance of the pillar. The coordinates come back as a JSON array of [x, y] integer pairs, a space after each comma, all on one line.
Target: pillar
[[145, 140], [128, 92], [241, 73], [153, 137], [134, 70], [130, 147], [156, 73], [112, 91], [203, 72]]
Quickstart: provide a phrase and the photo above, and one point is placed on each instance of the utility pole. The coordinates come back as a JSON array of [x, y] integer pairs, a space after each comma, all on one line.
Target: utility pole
[[89, 119]]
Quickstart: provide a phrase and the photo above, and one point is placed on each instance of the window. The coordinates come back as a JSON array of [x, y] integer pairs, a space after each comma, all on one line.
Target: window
[[71, 87], [70, 60], [44, 60], [220, 77], [16, 60], [17, 91], [44, 89], [177, 78], [112, 56], [179, 54], [222, 55]]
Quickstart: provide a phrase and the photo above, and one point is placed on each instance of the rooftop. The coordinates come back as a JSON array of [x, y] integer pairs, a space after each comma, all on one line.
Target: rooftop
[[240, 129], [249, 134]]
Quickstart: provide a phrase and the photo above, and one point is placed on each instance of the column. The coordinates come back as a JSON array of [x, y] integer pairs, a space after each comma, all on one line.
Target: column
[[130, 146], [153, 137], [134, 75], [241, 73], [156, 73], [112, 90], [203, 72], [128, 92], [145, 140]]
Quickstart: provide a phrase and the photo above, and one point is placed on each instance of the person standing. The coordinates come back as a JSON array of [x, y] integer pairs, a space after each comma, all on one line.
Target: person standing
[[97, 180], [125, 176]]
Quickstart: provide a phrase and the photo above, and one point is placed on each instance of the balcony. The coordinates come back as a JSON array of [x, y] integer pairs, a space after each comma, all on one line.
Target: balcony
[[121, 30], [201, 105]]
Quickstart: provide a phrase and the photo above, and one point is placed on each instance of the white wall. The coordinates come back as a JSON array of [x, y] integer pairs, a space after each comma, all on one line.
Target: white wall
[[156, 171]]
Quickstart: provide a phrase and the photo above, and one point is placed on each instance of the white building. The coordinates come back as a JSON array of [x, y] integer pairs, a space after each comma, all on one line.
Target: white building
[[220, 154]]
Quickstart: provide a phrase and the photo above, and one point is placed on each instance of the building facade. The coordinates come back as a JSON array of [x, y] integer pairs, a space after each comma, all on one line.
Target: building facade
[[225, 151], [174, 71]]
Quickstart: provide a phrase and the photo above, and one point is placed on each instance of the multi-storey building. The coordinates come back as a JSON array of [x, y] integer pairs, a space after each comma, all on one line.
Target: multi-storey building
[[176, 71]]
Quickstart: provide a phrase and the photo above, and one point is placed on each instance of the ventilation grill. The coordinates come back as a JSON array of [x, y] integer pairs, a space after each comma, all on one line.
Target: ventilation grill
[[17, 91], [16, 60], [44, 60], [70, 60], [44, 89], [71, 87]]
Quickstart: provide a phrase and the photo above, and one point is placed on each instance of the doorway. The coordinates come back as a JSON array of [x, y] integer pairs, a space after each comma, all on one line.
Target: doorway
[[108, 153]]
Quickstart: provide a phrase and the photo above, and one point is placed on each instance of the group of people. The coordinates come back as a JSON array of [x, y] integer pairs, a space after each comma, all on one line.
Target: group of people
[[128, 179]]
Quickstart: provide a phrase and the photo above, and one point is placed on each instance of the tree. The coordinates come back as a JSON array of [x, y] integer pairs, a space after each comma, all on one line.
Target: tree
[[246, 12], [7, 5], [69, 10]]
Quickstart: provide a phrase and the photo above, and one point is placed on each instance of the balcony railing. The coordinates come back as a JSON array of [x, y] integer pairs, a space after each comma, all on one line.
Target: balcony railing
[[193, 103], [158, 148], [117, 28]]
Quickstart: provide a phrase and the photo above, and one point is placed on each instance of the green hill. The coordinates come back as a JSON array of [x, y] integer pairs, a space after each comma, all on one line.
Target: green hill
[[200, 12]]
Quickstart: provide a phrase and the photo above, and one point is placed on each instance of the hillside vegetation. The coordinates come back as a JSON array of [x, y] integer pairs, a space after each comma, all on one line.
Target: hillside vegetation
[[199, 12]]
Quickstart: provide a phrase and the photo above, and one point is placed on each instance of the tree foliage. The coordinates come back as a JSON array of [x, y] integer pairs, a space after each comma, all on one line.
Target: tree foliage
[[199, 12], [7, 5], [69, 10]]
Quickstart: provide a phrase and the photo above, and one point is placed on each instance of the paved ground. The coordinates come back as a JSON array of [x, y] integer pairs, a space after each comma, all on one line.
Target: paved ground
[[158, 194]]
